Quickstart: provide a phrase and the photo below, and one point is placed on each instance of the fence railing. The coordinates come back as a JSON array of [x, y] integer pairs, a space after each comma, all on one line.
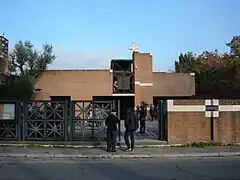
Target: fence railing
[[54, 120]]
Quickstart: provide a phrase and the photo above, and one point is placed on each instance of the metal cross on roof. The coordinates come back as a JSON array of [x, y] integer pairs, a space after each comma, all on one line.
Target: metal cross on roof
[[133, 48]]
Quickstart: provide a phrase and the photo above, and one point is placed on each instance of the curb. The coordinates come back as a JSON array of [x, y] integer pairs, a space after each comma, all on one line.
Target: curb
[[78, 146], [121, 156], [30, 145]]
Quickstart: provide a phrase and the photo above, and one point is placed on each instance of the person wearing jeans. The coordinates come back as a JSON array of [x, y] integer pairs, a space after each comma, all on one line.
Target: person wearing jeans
[[131, 125]]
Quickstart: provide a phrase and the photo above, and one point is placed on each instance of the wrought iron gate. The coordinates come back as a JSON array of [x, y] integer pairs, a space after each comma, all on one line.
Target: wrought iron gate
[[9, 121], [87, 120], [80, 119], [162, 120], [101, 109], [44, 120], [54, 120]]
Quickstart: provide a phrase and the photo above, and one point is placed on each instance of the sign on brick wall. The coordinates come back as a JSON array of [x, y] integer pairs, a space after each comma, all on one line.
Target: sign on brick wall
[[211, 108]]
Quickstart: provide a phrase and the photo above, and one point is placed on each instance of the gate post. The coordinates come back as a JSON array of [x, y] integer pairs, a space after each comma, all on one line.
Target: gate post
[[93, 118], [165, 122], [160, 119], [119, 117], [71, 112], [19, 119], [66, 121], [24, 115]]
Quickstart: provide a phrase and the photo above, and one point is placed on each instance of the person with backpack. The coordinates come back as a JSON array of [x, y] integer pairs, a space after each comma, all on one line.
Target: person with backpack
[[131, 125]]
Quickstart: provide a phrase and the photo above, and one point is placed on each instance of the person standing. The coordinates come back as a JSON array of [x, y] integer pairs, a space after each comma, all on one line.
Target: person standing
[[152, 112], [111, 123], [142, 117], [131, 125], [138, 111]]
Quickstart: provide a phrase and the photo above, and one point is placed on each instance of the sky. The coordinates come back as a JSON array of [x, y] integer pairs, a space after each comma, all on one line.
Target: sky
[[87, 34]]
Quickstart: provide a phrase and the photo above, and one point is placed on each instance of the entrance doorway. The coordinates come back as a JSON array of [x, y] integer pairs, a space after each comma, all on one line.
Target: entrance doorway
[[61, 99], [125, 102], [122, 103]]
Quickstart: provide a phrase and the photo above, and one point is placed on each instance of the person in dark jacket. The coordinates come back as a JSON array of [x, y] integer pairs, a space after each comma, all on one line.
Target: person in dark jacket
[[111, 123], [131, 125], [137, 111], [142, 117], [152, 112]]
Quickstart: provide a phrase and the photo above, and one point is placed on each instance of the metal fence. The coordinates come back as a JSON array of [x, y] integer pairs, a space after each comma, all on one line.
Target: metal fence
[[55, 120]]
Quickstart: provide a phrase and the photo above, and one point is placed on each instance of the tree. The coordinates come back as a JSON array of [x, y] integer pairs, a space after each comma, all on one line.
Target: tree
[[215, 73], [234, 46], [27, 66], [27, 61], [186, 63]]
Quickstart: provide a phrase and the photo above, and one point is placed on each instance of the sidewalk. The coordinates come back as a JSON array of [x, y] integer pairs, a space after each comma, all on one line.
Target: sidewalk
[[167, 152], [144, 143]]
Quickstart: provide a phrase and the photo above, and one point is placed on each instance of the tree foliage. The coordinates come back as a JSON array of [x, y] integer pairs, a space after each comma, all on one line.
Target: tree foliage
[[215, 73], [27, 65], [18, 89], [27, 61]]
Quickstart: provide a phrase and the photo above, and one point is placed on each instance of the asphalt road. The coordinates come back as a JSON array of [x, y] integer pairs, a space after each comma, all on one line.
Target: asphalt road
[[143, 169]]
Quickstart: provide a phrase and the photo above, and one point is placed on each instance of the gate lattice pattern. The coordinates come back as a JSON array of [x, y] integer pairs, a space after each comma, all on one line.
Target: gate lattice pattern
[[54, 121], [9, 124], [8, 129], [88, 119], [43, 120]]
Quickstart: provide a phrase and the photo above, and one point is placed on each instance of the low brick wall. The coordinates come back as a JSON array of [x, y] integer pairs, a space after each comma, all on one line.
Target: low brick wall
[[188, 121]]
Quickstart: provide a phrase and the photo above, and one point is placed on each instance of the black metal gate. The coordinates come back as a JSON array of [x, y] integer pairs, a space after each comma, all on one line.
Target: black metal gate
[[87, 120], [10, 126], [44, 120], [162, 120], [54, 120], [80, 120]]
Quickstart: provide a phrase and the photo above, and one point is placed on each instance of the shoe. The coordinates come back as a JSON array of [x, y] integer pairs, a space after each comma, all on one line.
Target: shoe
[[128, 150], [132, 150], [108, 150], [114, 150]]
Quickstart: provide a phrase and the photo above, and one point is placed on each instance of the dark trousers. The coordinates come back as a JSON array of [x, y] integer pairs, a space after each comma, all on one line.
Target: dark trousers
[[142, 125], [152, 117], [111, 140], [126, 138]]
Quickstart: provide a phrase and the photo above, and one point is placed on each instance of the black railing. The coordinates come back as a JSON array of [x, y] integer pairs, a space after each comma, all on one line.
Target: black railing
[[54, 120]]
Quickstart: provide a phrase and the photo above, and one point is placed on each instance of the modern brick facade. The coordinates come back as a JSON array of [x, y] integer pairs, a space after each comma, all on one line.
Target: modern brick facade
[[84, 84], [187, 122]]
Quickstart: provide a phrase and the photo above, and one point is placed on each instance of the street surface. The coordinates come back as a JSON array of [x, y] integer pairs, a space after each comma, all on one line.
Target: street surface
[[129, 169]]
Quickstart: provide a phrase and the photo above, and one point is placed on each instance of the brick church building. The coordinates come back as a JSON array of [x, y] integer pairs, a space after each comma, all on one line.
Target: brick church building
[[130, 80]]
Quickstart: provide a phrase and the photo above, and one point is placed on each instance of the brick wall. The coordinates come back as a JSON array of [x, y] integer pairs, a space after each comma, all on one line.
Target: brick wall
[[187, 122], [79, 84], [173, 84], [149, 83], [143, 77]]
